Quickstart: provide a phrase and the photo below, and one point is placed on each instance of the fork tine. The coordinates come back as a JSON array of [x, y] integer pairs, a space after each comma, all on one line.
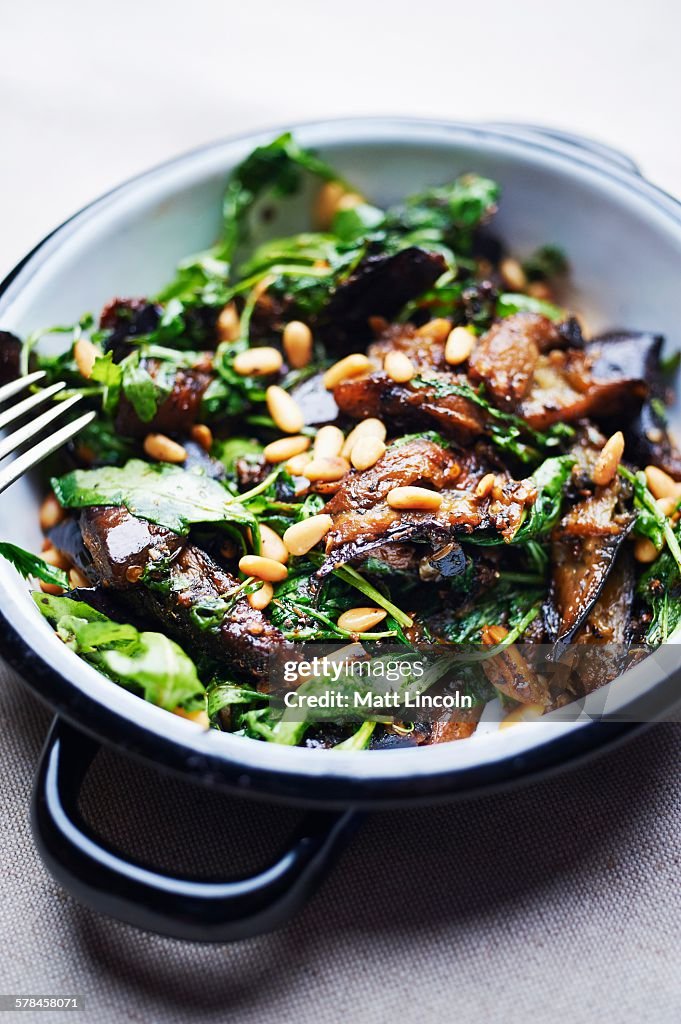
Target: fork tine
[[14, 386], [31, 430], [29, 403], [41, 450]]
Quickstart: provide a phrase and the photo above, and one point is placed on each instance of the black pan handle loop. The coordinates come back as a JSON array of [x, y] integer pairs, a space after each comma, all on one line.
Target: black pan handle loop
[[204, 911]]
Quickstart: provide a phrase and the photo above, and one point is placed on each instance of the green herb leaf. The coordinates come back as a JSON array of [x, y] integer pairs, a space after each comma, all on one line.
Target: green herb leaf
[[141, 661], [32, 565]]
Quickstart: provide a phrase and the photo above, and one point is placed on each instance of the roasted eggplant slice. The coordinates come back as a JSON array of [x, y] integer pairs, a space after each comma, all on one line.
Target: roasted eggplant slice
[[380, 286]]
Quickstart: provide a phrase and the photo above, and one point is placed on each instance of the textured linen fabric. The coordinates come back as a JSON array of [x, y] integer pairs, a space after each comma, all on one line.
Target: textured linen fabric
[[557, 901]]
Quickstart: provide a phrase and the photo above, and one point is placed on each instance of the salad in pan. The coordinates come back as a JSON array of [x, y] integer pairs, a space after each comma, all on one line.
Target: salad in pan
[[385, 432]]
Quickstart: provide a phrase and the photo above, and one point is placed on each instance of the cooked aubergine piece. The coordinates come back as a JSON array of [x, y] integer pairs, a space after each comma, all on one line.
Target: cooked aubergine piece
[[10, 351], [505, 358], [177, 414], [606, 632], [380, 286], [405, 405], [121, 546], [364, 522], [583, 549]]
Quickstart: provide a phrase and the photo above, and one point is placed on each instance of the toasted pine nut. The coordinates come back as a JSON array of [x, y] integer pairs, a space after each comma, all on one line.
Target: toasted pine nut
[[670, 504], [513, 275], [325, 470], [485, 485], [329, 199], [351, 366], [645, 550], [200, 717], [263, 568], [56, 558], [85, 353], [524, 713], [51, 512], [661, 484], [297, 341], [228, 326], [540, 290], [259, 599], [258, 362], [302, 537], [414, 498], [459, 346], [285, 448], [437, 329], [370, 427], [494, 634], [272, 545], [399, 367], [163, 449], [203, 435], [608, 460], [50, 588], [297, 464], [366, 452], [133, 573], [77, 579], [284, 410], [361, 620], [328, 443]]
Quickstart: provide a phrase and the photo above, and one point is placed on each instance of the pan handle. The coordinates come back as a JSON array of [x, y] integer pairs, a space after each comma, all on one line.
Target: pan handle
[[599, 149], [197, 910]]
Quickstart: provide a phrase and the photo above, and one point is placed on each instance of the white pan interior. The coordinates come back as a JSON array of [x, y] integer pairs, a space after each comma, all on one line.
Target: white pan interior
[[623, 242]]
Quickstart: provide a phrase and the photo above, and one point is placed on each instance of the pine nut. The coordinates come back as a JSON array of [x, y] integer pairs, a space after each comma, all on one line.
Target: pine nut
[[51, 512], [437, 329], [284, 410], [326, 470], [524, 713], [366, 452], [297, 464], [351, 366], [360, 620], [78, 579], [258, 362], [399, 367], [134, 573], [50, 588], [370, 427], [328, 443], [203, 436], [228, 326], [485, 485], [297, 341], [459, 346], [272, 546], [414, 498], [644, 550], [670, 504], [513, 275], [661, 484], [263, 568], [259, 599], [494, 634], [285, 448], [200, 717], [56, 558], [608, 460], [85, 353], [540, 290], [329, 199], [302, 537], [163, 449]]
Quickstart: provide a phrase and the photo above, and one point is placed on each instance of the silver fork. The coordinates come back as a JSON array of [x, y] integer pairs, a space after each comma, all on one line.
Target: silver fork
[[31, 431]]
